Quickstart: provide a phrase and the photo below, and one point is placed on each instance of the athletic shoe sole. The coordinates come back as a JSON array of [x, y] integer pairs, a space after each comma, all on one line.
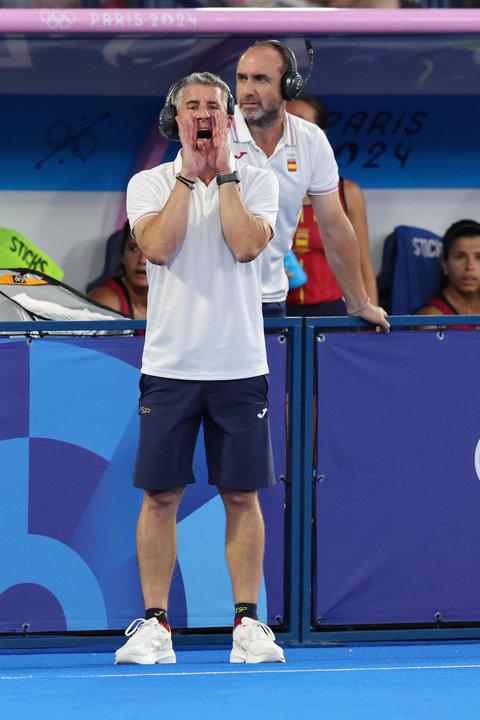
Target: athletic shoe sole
[[274, 656], [153, 659]]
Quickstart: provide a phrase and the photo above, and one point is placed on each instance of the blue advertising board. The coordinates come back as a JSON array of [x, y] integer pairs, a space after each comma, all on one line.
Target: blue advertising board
[[405, 141], [68, 437], [78, 142], [397, 497]]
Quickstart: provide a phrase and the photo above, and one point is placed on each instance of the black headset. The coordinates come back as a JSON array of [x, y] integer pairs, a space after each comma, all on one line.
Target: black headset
[[292, 83], [166, 122]]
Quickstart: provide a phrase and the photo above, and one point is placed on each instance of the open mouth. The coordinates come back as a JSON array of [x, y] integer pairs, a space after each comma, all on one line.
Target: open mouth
[[204, 134]]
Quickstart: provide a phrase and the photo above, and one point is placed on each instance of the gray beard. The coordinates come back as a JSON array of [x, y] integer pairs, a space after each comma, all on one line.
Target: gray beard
[[268, 117]]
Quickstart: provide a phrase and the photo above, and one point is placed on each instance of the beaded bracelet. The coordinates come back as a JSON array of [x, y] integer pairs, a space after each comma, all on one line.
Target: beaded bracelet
[[355, 312]]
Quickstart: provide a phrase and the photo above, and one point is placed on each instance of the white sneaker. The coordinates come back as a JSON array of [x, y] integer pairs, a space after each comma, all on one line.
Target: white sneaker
[[149, 643], [253, 642]]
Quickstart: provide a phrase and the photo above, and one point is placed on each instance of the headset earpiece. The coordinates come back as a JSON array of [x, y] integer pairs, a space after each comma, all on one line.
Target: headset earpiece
[[230, 104], [292, 83], [167, 123]]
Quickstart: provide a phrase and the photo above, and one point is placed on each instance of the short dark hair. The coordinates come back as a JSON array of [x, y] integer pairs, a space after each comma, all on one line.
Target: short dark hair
[[461, 228], [321, 115]]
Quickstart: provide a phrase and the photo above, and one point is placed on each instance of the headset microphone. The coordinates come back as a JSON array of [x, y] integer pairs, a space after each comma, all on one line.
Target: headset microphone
[[309, 47]]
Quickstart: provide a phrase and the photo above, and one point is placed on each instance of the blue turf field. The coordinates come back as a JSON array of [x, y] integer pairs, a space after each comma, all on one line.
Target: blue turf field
[[410, 681]]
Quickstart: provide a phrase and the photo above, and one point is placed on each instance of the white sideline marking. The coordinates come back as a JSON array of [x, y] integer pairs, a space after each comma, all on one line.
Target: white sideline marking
[[245, 672]]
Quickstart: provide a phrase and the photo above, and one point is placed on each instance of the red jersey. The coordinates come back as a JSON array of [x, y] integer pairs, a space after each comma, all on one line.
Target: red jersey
[[120, 289], [441, 302], [321, 286]]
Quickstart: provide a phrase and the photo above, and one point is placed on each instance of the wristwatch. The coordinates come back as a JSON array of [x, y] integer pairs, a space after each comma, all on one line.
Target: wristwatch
[[231, 177]]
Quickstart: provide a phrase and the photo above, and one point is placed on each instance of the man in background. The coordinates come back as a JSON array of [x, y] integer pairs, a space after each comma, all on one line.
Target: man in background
[[265, 135]]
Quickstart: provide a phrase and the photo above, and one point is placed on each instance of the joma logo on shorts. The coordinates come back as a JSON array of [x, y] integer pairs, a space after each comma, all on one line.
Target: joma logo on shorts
[[144, 410]]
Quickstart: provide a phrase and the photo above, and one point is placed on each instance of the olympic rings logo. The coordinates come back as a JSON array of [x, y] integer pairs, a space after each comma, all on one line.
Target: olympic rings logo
[[57, 19]]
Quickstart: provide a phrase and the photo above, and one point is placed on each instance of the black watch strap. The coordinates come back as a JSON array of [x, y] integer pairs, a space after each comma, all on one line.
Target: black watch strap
[[231, 177]]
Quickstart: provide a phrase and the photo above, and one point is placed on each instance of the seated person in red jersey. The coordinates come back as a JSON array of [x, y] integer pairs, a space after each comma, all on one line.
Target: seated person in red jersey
[[460, 291], [127, 290], [321, 294]]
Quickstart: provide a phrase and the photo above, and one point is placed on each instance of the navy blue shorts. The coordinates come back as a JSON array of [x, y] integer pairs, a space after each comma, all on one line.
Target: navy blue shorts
[[274, 309], [235, 424]]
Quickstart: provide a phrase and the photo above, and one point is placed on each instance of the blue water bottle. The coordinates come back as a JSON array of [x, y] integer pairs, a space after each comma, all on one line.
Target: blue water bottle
[[291, 264]]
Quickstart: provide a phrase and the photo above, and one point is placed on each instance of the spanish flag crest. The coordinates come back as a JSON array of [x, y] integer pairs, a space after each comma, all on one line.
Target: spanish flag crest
[[292, 163]]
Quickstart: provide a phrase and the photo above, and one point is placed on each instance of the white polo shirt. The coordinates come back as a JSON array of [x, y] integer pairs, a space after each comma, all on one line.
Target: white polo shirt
[[303, 161], [204, 311]]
